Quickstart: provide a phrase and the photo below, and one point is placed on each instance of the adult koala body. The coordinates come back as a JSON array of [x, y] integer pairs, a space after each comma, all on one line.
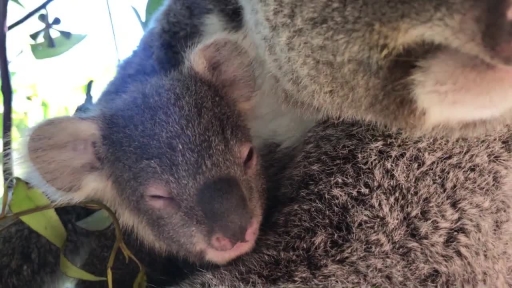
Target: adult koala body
[[361, 206], [416, 65], [400, 64], [414, 190]]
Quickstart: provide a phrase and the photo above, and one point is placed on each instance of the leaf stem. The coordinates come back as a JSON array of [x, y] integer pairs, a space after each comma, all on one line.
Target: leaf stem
[[119, 234], [119, 241], [113, 31], [29, 15]]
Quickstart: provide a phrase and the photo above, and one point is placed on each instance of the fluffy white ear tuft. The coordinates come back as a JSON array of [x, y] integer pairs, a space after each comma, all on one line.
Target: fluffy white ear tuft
[[228, 65], [62, 150]]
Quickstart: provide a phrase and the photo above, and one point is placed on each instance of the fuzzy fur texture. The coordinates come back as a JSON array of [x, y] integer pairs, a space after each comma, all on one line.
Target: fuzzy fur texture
[[362, 205], [358, 59], [380, 209], [28, 259]]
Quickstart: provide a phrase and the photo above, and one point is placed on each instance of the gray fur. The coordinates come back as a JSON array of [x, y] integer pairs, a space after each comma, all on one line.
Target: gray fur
[[87, 157], [29, 259], [380, 209], [370, 61], [356, 59]]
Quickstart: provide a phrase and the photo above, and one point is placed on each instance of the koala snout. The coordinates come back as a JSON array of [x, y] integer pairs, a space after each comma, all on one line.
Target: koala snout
[[227, 215]]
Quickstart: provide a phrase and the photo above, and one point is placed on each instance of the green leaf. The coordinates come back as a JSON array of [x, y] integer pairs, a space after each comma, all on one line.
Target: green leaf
[[46, 109], [62, 45], [46, 222], [151, 7], [2, 121], [18, 2], [3, 200], [140, 281], [98, 221], [142, 24], [72, 271]]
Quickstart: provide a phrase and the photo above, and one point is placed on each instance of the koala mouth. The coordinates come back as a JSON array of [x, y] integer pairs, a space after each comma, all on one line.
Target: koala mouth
[[221, 252]]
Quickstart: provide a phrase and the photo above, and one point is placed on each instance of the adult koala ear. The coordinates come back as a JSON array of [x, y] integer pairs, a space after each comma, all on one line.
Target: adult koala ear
[[65, 152], [228, 65]]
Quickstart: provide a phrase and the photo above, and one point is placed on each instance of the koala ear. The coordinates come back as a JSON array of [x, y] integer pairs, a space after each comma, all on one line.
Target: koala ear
[[228, 65], [64, 151]]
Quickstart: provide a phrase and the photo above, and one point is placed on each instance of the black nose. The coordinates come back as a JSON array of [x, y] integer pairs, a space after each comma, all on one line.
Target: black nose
[[497, 34], [225, 208]]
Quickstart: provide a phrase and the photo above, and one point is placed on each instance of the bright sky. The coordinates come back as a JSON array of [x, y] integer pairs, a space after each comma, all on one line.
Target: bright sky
[[60, 80]]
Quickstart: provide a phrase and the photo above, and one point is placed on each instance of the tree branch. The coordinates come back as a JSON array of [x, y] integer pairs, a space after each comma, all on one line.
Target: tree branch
[[113, 32], [7, 93], [29, 15]]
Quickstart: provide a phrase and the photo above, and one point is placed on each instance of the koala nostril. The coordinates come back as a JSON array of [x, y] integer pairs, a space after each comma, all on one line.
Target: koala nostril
[[221, 243], [244, 235]]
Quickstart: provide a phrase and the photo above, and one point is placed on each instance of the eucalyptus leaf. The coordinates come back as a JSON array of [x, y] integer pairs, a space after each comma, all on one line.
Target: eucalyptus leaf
[[100, 220], [18, 2], [46, 222], [1, 120], [46, 109], [72, 271], [151, 7], [62, 45]]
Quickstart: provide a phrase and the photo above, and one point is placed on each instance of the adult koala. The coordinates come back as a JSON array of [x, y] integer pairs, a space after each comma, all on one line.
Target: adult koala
[[411, 188], [407, 181]]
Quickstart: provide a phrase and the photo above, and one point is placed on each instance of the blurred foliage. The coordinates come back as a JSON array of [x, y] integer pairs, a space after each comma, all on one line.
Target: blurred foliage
[[46, 223], [151, 7], [52, 46], [18, 2], [26, 203]]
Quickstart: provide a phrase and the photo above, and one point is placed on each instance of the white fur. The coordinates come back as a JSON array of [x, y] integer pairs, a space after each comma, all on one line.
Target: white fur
[[273, 122], [270, 121]]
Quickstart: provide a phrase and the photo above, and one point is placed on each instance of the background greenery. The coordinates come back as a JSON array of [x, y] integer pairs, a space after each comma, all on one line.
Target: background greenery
[[51, 81], [55, 48]]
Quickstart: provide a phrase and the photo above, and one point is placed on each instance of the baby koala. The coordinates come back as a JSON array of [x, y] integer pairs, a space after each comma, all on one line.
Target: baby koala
[[172, 157]]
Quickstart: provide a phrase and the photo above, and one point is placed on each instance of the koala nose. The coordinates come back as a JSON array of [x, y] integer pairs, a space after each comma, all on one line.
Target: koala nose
[[497, 35], [222, 243], [226, 211]]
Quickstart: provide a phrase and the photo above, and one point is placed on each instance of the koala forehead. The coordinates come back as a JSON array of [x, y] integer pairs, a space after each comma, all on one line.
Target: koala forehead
[[169, 128]]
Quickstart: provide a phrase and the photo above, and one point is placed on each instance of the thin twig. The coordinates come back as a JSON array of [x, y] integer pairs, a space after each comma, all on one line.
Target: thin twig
[[119, 244], [29, 15], [113, 32], [7, 94], [33, 210], [119, 241]]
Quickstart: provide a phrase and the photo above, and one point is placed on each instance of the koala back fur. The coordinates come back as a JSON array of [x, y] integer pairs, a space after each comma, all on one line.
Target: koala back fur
[[382, 209]]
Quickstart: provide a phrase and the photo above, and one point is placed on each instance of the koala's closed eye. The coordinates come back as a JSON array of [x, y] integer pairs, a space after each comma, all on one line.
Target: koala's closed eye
[[158, 196]]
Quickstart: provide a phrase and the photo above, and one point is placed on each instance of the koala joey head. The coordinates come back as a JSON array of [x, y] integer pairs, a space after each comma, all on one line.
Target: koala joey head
[[172, 157]]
